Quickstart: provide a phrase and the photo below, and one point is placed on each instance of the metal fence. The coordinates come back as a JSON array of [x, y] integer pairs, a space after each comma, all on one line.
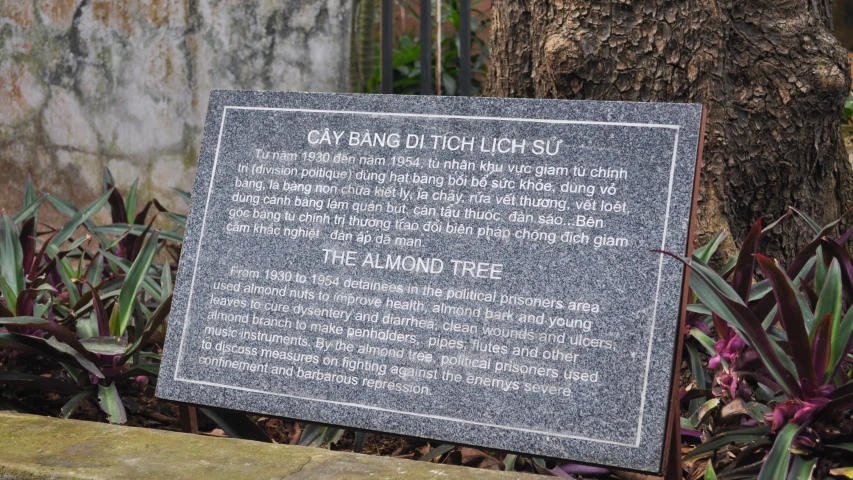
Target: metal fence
[[426, 24]]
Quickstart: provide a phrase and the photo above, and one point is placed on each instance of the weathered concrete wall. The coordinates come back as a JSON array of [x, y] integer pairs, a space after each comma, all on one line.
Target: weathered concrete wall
[[86, 84], [33, 447]]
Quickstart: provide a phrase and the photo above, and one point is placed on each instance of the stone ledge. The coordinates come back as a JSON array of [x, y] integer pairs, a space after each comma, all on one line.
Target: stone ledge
[[34, 447]]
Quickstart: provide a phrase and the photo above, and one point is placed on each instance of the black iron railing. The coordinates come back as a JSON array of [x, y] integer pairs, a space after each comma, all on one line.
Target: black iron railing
[[426, 24]]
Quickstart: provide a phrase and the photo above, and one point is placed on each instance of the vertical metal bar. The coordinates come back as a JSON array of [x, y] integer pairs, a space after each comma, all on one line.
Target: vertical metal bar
[[438, 47], [188, 418], [426, 47], [465, 47], [387, 47]]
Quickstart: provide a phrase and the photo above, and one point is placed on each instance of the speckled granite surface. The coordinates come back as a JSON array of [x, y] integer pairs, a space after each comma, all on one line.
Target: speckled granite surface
[[539, 321]]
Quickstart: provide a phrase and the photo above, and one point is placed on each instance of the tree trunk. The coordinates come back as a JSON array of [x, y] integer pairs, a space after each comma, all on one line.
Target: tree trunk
[[770, 73]]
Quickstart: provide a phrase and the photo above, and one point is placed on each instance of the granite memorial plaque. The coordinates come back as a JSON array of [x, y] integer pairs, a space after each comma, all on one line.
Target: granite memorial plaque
[[478, 271]]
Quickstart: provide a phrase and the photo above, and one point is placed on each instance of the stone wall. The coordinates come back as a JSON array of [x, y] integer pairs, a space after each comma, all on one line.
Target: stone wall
[[88, 84], [36, 447]]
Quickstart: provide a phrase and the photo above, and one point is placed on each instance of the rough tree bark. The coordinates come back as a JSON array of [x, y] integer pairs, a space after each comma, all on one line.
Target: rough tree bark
[[770, 72]]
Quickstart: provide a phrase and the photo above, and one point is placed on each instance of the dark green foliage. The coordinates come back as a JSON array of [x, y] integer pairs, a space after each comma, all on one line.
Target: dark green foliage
[[781, 357], [406, 60], [90, 303]]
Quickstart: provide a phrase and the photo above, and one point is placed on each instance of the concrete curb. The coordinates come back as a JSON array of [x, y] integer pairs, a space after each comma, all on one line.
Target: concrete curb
[[35, 447]]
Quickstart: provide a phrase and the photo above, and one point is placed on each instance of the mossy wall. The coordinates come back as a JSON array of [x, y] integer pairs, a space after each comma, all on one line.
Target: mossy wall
[[35, 447], [88, 84]]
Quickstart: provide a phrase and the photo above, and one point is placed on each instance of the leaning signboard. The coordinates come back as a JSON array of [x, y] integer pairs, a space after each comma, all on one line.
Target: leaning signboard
[[477, 271]]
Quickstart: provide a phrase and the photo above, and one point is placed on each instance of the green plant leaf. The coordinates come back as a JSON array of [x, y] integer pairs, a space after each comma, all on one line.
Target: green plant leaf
[[698, 308], [81, 359], [110, 402], [800, 266], [11, 261], [821, 348], [157, 319], [744, 435], [11, 297], [698, 373], [360, 440], [802, 469], [166, 285], [68, 209], [704, 410], [717, 295], [820, 270], [705, 252], [87, 327], [137, 273], [71, 405], [811, 223], [844, 261], [236, 425], [776, 222], [29, 211], [130, 201], [30, 344], [107, 179], [86, 304], [180, 220], [791, 318], [184, 195], [711, 277], [758, 411], [105, 345], [437, 452], [30, 203], [759, 290], [509, 462], [95, 270], [30, 195], [74, 223], [745, 266], [729, 265], [124, 266], [34, 322], [123, 229], [312, 435], [845, 331], [709, 471], [66, 273], [830, 302], [706, 341], [767, 323], [805, 305], [776, 464], [334, 435]]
